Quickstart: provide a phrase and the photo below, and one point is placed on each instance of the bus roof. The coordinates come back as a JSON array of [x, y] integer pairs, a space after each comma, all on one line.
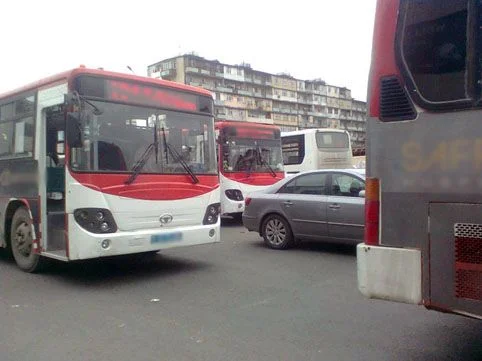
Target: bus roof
[[67, 75], [313, 130], [226, 123]]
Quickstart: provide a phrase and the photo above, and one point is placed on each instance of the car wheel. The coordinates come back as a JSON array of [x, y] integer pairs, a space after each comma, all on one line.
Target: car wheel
[[21, 242], [277, 232]]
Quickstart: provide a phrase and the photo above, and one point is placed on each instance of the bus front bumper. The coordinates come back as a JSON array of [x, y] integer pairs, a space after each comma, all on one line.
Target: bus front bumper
[[84, 245], [229, 206], [393, 274]]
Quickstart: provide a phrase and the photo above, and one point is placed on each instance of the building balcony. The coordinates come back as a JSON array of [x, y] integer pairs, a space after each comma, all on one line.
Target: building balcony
[[260, 120], [285, 99], [259, 95], [238, 118], [168, 73], [205, 72], [156, 74], [223, 89], [245, 92], [190, 69], [257, 81], [220, 75], [218, 102]]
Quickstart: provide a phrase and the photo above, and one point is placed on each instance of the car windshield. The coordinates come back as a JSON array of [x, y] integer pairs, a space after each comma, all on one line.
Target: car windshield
[[116, 140], [252, 155]]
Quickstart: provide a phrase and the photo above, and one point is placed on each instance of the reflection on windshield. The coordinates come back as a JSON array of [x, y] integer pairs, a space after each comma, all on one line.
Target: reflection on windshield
[[116, 140], [252, 155]]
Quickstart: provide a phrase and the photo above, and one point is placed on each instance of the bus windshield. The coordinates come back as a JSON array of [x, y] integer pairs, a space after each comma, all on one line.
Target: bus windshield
[[116, 140], [252, 155], [332, 140]]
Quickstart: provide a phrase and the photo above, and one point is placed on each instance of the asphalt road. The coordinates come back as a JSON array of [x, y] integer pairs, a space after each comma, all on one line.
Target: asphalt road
[[232, 301]]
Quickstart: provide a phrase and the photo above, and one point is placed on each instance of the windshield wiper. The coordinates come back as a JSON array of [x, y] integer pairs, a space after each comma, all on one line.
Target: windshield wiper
[[178, 158], [264, 162], [79, 98], [136, 169]]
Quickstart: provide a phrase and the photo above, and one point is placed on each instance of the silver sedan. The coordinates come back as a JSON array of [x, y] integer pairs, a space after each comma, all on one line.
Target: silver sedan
[[317, 205]]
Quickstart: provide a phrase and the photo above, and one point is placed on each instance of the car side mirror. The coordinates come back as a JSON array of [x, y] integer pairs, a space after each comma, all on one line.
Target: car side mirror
[[361, 194]]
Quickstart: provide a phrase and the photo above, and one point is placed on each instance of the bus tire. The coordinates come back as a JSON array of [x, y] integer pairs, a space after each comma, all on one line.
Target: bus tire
[[21, 242], [277, 232]]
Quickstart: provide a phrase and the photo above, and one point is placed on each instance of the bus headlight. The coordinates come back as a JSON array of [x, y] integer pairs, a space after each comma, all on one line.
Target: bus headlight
[[234, 194], [212, 213], [95, 220]]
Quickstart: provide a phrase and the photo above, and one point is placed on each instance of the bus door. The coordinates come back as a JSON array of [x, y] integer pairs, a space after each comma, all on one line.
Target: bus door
[[51, 130], [55, 170]]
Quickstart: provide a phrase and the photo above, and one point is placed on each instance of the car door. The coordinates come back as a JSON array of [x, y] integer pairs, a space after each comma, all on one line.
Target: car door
[[303, 202], [345, 206]]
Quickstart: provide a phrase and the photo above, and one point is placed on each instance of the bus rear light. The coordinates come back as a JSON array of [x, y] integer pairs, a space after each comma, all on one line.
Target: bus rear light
[[91, 220], [372, 211], [212, 213]]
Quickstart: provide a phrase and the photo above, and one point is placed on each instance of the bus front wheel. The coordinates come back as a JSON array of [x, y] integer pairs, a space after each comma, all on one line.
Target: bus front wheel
[[21, 242]]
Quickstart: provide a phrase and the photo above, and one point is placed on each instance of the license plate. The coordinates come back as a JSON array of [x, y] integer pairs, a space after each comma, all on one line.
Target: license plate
[[166, 237]]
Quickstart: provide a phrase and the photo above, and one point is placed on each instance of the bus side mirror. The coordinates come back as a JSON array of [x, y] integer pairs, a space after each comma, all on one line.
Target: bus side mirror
[[361, 194], [74, 137]]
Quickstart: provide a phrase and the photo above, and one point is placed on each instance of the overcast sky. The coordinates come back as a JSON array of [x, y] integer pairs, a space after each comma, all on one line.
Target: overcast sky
[[328, 39]]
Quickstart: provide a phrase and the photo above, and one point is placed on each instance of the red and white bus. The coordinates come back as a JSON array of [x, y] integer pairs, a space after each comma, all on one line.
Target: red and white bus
[[249, 160], [95, 163], [423, 240]]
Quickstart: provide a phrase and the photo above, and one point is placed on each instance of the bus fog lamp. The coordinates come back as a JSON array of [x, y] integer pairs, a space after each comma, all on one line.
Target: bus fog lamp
[[212, 232], [105, 243], [212, 213]]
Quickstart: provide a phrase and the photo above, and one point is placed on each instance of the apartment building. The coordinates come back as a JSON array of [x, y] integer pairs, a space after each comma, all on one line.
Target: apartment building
[[244, 94]]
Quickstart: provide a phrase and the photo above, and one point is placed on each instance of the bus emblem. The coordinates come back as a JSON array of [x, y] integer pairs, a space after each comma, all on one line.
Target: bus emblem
[[165, 219]]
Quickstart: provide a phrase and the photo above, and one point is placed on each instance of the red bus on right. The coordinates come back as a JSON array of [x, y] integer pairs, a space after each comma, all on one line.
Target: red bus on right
[[423, 230]]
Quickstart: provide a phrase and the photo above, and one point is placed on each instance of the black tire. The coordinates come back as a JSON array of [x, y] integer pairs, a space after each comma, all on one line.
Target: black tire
[[276, 232], [21, 242]]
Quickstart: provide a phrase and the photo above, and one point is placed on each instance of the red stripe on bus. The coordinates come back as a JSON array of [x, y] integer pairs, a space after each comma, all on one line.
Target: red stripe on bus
[[258, 179], [149, 186]]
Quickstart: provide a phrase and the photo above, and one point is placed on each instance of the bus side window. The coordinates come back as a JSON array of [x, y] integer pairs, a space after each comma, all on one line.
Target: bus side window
[[293, 149]]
